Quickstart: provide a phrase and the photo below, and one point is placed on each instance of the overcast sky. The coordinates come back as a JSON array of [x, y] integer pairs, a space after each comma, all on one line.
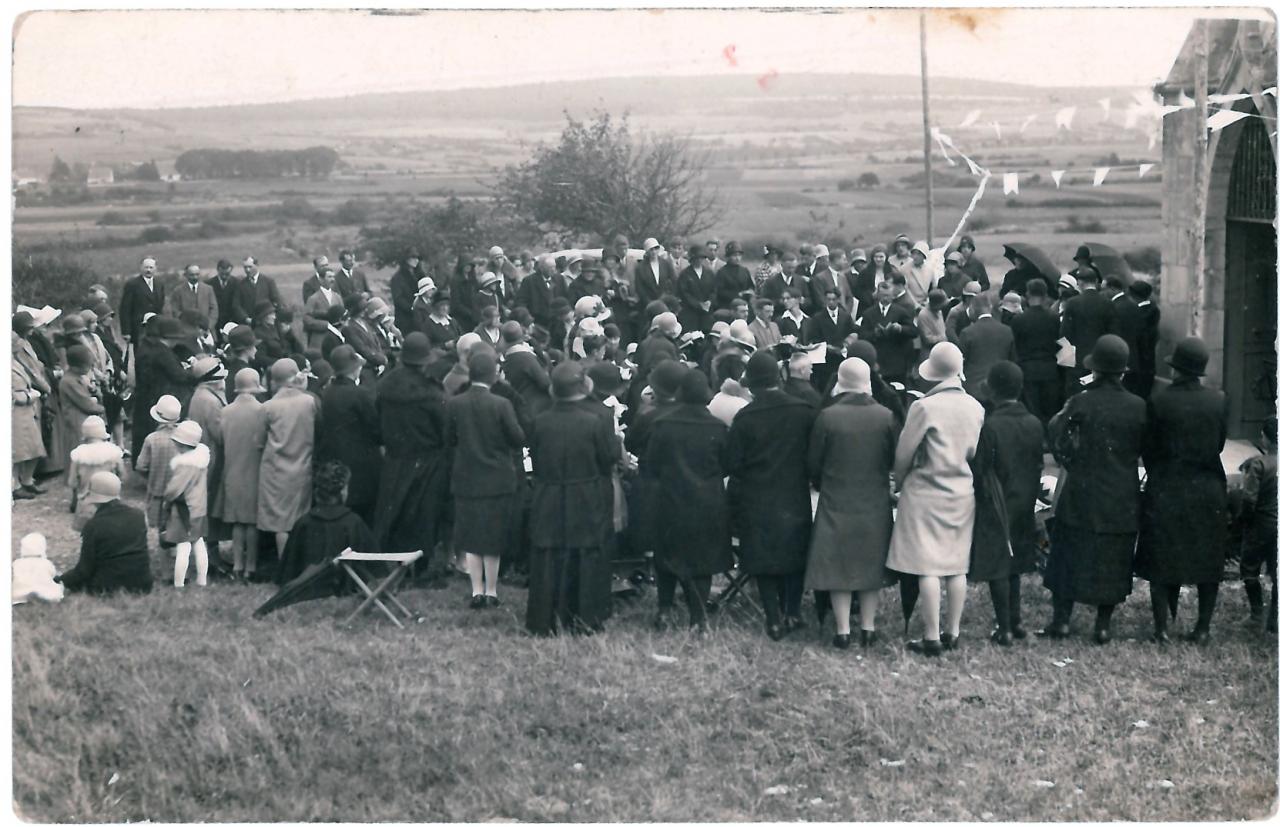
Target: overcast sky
[[191, 58]]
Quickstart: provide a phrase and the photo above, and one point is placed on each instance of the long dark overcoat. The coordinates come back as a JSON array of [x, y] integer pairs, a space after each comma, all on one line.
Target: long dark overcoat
[[1097, 438], [414, 491], [769, 482], [1010, 447], [1183, 536], [158, 372], [349, 433], [850, 456], [685, 459]]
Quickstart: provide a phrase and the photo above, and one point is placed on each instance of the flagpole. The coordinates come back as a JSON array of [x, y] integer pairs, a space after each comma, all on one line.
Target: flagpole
[[1200, 176], [928, 160]]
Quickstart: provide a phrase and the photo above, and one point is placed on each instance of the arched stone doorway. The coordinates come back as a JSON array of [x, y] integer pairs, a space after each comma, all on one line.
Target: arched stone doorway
[[1249, 334]]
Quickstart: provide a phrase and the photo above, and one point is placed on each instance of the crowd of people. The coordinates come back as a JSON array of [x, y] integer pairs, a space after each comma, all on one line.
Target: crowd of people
[[559, 413]]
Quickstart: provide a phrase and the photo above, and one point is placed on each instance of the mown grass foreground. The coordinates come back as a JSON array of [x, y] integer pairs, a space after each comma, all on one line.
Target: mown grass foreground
[[180, 707]]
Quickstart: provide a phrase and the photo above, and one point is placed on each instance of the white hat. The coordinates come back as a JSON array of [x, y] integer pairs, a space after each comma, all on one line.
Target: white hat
[[425, 285], [740, 334], [495, 251], [590, 327], [487, 278], [32, 545], [104, 487], [720, 329], [1070, 281], [167, 409], [821, 250], [586, 306], [93, 427], [650, 243], [45, 315], [187, 433], [853, 376], [572, 258], [945, 362], [922, 248]]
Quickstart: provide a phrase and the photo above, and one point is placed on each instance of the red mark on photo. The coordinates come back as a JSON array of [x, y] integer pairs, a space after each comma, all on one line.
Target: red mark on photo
[[767, 78], [730, 54]]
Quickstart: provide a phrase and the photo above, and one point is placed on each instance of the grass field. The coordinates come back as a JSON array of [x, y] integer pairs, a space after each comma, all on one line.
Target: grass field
[[180, 707]]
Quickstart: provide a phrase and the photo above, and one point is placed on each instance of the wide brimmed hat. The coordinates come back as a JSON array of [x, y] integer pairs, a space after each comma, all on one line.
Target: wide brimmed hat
[[104, 487], [248, 381], [1110, 354], [416, 349], [487, 278], [1190, 356], [740, 334], [425, 285], [93, 427], [945, 362], [208, 369], [167, 409], [667, 323], [1004, 381], [187, 433]]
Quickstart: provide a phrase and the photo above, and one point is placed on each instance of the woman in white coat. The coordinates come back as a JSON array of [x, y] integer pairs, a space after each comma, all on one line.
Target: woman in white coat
[[934, 528]]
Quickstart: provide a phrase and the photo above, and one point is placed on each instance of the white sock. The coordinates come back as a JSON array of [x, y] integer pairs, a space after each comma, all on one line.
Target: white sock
[[202, 563], [180, 563]]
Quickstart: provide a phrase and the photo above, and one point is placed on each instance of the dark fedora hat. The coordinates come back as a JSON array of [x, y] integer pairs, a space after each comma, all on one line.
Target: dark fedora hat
[[416, 349], [762, 371], [1190, 356], [240, 337], [1110, 355], [1083, 253]]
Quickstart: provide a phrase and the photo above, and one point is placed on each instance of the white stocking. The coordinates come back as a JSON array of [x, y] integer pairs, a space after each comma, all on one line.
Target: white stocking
[[202, 563], [180, 563]]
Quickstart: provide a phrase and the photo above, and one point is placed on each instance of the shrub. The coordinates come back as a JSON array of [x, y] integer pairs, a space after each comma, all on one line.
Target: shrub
[[1144, 260], [846, 184], [53, 279], [156, 234], [113, 217], [978, 223], [1075, 224], [867, 180]]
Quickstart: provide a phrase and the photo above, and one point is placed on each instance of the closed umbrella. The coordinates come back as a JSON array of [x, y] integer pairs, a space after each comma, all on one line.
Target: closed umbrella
[[1038, 259], [1109, 262], [316, 581]]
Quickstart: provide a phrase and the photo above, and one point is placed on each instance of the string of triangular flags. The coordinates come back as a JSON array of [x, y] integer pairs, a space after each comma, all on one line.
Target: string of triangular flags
[[1011, 179], [1222, 117]]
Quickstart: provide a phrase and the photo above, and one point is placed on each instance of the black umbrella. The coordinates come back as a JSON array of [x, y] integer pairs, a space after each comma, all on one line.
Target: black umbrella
[[1108, 262], [1038, 259], [909, 589], [316, 581]]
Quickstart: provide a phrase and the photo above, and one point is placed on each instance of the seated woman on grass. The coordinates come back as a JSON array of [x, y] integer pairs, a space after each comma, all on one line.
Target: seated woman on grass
[[113, 546]]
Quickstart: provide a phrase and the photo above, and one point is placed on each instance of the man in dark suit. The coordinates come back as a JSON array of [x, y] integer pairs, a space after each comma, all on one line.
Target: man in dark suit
[[192, 294], [788, 279], [1084, 318], [696, 289], [351, 279], [1128, 323], [732, 280], [820, 276], [892, 331], [113, 544], [319, 264], [539, 289], [226, 289], [1144, 376], [348, 431], [984, 343], [655, 275], [486, 439], [255, 288], [834, 327], [1035, 338], [142, 294]]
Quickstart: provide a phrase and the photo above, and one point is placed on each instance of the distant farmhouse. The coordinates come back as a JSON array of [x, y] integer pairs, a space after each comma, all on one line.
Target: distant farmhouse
[[168, 171], [100, 175], [1237, 307]]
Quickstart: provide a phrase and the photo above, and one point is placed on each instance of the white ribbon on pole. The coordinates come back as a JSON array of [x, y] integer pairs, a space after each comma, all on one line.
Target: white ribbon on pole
[[974, 169], [1143, 169], [1011, 183], [1056, 175], [1100, 175], [1064, 117], [942, 140], [1026, 122], [1223, 119], [1223, 98], [973, 202], [996, 126], [970, 119]]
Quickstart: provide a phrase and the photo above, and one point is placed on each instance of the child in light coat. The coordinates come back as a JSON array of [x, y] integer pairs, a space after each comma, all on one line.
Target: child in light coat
[[33, 573], [157, 449], [95, 453], [186, 499]]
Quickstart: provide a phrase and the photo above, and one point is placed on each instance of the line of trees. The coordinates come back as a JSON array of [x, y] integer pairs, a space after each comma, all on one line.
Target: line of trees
[[315, 161]]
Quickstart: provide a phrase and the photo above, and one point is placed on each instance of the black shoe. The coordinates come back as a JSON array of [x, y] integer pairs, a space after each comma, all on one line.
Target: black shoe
[[1197, 636], [929, 648], [477, 601], [1102, 636], [1018, 632], [1002, 637], [492, 601], [32, 488], [794, 624], [774, 632], [1055, 631], [841, 641], [868, 639], [1161, 637], [950, 641], [23, 494]]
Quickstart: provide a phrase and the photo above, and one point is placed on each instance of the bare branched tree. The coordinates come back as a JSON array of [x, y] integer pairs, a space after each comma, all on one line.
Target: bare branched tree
[[599, 179]]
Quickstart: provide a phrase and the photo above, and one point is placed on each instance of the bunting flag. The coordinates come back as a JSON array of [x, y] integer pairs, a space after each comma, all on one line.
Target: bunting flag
[[1228, 98], [974, 169], [1056, 175], [1143, 169], [1026, 122], [996, 126], [1099, 175], [1271, 90], [973, 202], [1224, 118], [1063, 119], [1105, 103], [970, 119], [1011, 183]]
